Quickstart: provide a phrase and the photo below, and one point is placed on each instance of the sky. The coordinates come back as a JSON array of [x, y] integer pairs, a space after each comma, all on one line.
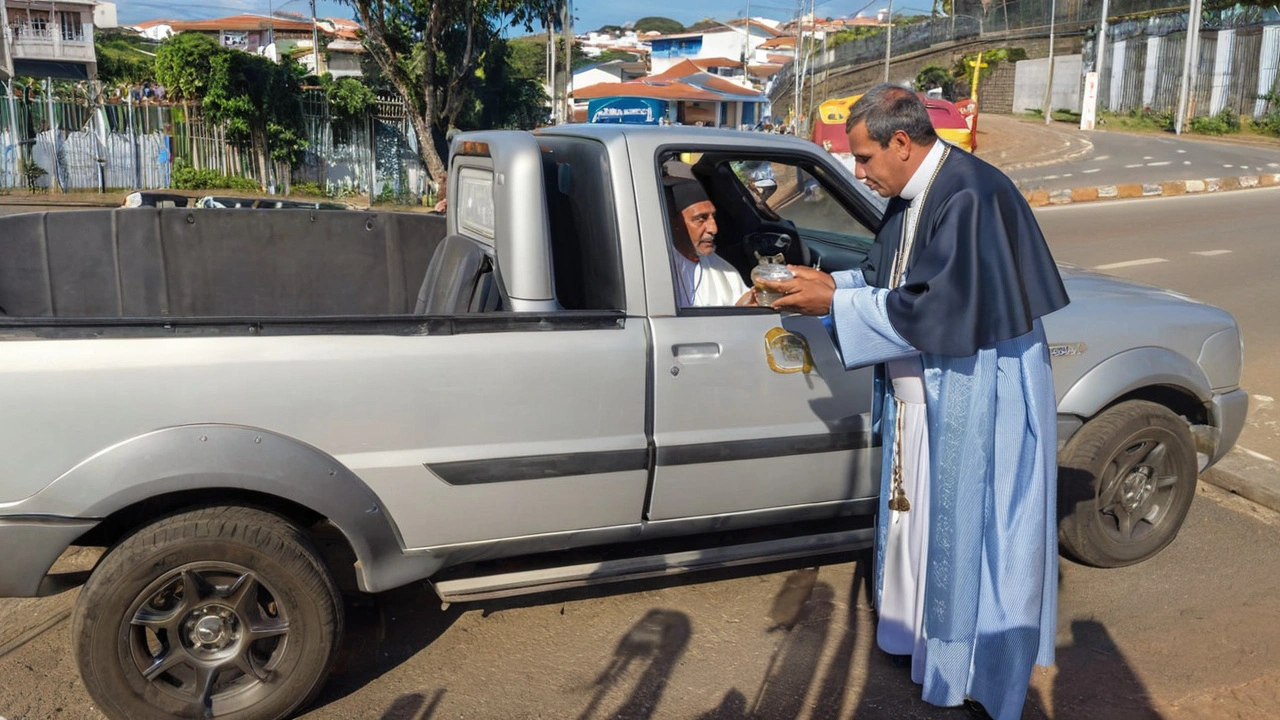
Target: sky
[[590, 14]]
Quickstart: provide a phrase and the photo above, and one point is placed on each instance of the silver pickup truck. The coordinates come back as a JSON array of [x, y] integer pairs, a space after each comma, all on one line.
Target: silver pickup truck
[[255, 413]]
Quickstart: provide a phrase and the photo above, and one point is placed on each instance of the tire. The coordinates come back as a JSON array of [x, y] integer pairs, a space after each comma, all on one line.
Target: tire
[[1125, 482], [223, 612]]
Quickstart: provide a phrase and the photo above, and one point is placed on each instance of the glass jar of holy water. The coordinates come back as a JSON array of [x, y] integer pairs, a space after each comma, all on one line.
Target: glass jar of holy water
[[771, 264]]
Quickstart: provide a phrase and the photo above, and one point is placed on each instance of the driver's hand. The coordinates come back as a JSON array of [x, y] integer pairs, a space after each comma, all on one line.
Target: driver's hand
[[748, 299], [803, 272]]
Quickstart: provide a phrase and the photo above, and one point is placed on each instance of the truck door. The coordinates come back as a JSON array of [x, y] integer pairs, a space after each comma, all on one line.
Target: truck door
[[753, 412]]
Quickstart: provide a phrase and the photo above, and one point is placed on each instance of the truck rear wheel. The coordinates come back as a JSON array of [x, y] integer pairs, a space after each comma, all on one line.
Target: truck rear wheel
[[1126, 480], [223, 612]]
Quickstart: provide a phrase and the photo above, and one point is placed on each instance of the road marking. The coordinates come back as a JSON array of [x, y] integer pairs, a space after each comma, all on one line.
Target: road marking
[[1273, 164], [1147, 157], [1133, 166], [1228, 166], [1264, 398], [1182, 151], [1130, 263], [1186, 162], [1049, 177], [1102, 157], [1086, 172], [1210, 253], [1160, 164], [1066, 175], [1257, 455]]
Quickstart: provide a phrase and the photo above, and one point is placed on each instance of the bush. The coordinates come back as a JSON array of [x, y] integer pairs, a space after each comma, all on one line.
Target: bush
[[32, 174], [308, 188], [186, 177], [1224, 123], [1269, 124]]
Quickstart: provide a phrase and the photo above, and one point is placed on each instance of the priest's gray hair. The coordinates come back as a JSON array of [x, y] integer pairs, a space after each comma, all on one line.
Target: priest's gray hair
[[887, 109]]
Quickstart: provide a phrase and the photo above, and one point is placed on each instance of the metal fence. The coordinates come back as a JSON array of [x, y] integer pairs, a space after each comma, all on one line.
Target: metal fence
[[1237, 60], [88, 142], [1239, 50]]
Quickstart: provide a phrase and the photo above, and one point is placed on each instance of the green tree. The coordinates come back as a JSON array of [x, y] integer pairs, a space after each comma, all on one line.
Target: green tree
[[664, 25], [349, 99], [184, 63], [528, 56], [431, 50], [511, 96], [257, 102]]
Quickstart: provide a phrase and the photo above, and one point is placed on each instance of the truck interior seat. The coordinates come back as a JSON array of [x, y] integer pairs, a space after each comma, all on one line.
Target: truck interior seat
[[458, 280]]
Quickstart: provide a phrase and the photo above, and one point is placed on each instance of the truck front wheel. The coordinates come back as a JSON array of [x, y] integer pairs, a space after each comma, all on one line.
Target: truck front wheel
[[1125, 482], [223, 612]]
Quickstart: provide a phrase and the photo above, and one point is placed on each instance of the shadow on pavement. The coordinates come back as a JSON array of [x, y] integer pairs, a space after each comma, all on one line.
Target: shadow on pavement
[[802, 613], [382, 632], [410, 707], [658, 639], [1094, 681]]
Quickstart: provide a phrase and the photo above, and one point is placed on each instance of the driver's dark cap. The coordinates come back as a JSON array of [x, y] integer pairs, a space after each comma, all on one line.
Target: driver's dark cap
[[687, 192]]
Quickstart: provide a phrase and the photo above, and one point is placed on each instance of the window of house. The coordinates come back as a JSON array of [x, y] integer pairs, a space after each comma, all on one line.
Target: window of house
[[34, 24], [72, 27]]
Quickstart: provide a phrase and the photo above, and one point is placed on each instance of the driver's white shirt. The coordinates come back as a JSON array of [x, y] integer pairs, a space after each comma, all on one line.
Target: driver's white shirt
[[710, 281]]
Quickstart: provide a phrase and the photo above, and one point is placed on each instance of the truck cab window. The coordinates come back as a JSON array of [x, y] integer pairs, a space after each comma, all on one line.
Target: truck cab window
[[776, 196]]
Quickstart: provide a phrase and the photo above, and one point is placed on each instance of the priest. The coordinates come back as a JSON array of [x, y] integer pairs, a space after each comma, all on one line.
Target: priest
[[950, 301]]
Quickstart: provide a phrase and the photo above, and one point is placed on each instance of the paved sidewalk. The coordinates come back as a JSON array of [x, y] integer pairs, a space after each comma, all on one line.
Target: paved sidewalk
[[1013, 143]]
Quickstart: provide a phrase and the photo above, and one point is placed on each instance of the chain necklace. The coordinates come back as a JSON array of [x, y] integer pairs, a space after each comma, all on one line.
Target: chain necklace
[[898, 497]]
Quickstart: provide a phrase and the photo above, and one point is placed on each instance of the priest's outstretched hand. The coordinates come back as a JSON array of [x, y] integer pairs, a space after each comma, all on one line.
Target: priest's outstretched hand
[[809, 293]]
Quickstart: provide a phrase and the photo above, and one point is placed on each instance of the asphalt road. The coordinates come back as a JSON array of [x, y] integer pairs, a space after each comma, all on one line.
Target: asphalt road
[[1131, 158], [1188, 635], [1217, 248]]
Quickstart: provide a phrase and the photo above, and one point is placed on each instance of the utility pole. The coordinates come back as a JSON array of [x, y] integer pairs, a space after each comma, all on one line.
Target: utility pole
[[315, 38], [568, 61], [1102, 39], [1190, 64], [797, 66], [552, 79], [1048, 85], [888, 42], [1093, 80]]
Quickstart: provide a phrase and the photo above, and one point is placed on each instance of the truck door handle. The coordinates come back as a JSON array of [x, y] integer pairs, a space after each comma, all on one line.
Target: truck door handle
[[694, 352]]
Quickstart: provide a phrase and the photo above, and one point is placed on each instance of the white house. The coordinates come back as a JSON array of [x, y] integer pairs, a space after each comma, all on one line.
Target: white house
[[615, 71], [733, 40]]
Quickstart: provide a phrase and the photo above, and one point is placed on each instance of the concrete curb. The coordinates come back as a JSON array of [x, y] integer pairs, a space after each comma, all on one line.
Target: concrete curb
[[1253, 477], [1040, 198]]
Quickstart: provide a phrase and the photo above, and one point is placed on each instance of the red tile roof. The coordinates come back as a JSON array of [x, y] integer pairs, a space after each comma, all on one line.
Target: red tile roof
[[639, 88], [705, 63], [785, 41], [240, 23], [682, 81]]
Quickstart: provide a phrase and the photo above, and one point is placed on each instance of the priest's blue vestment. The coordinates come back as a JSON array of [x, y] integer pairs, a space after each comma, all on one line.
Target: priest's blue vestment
[[978, 281]]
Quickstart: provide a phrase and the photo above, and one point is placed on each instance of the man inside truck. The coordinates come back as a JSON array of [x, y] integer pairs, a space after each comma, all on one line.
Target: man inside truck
[[702, 277]]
